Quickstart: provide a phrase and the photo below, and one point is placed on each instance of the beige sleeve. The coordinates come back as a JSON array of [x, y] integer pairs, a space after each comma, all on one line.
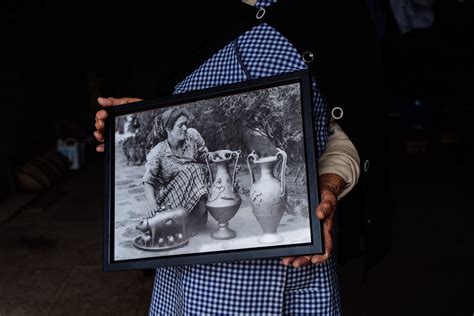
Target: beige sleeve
[[250, 2], [341, 158]]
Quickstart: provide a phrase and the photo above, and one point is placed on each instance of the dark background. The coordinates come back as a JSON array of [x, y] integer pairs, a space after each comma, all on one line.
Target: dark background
[[57, 59]]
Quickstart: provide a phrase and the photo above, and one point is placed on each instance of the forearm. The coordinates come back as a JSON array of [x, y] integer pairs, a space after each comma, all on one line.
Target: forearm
[[150, 193], [332, 182], [340, 158]]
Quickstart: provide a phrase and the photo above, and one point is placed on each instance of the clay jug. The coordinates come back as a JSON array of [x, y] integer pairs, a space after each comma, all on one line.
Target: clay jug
[[223, 200], [268, 195]]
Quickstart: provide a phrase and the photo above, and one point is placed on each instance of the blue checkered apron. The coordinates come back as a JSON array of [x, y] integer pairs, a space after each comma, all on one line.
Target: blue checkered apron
[[252, 287]]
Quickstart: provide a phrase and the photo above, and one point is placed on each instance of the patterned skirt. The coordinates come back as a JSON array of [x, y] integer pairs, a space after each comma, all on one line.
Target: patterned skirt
[[252, 287], [185, 189]]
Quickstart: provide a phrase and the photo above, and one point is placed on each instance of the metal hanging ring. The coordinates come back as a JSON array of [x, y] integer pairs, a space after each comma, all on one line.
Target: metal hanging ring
[[366, 166], [308, 57], [260, 13], [334, 114]]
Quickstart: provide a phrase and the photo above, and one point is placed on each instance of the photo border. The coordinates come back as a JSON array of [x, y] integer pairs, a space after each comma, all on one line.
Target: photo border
[[317, 244]]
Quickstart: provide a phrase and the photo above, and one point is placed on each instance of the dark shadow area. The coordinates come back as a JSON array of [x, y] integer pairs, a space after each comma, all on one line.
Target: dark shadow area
[[54, 67]]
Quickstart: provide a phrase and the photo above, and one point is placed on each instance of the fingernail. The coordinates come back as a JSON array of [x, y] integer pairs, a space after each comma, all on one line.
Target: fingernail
[[104, 101]]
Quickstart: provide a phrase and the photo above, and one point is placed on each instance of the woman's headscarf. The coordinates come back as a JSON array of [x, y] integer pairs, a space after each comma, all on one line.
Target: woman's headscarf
[[159, 125], [163, 120]]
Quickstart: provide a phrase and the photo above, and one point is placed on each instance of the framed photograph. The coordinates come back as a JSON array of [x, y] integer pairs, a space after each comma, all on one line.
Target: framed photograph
[[221, 174]]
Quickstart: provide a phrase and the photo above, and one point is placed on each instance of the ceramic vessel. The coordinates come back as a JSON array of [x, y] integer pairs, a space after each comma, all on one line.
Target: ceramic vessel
[[223, 200], [268, 195], [165, 230]]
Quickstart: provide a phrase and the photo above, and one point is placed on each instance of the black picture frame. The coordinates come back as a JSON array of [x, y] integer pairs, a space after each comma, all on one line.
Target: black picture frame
[[124, 185]]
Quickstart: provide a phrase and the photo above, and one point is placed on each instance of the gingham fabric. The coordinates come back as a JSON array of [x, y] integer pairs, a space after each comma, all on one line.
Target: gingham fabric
[[252, 287], [162, 164], [179, 180], [185, 189]]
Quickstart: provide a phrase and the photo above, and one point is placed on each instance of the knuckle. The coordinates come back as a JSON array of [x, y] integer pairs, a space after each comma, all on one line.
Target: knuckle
[[317, 260]]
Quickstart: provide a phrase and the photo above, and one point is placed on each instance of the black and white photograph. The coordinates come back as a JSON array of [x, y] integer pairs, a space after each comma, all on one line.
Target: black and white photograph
[[271, 157], [217, 174]]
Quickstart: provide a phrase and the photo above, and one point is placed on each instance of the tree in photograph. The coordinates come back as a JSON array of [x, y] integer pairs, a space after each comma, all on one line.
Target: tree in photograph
[[273, 113], [219, 131]]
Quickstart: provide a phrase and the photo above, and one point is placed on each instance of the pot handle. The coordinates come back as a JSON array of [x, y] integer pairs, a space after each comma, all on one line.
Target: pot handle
[[250, 159], [281, 154], [208, 157], [236, 155]]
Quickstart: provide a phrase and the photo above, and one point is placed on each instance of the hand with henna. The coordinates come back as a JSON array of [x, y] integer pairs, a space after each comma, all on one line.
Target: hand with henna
[[330, 185]]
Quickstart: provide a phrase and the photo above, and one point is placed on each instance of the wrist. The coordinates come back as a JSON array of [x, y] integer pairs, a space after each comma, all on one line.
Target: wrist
[[331, 182]]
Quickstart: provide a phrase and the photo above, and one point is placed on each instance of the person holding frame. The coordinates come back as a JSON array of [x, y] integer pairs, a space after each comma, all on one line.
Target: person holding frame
[[305, 284]]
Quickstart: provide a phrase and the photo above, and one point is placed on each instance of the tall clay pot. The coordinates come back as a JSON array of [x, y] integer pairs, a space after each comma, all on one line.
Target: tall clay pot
[[268, 195], [223, 199]]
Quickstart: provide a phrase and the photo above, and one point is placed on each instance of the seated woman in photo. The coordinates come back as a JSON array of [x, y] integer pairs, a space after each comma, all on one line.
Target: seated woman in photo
[[174, 174]]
